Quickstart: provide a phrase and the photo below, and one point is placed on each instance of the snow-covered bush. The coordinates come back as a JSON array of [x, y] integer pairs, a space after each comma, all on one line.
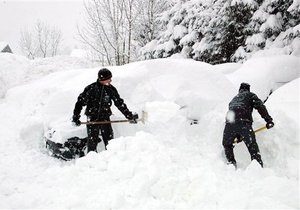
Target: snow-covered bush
[[222, 31]]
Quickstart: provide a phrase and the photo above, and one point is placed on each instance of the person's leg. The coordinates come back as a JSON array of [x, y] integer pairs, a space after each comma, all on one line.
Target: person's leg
[[228, 137], [106, 133], [248, 137], [93, 137]]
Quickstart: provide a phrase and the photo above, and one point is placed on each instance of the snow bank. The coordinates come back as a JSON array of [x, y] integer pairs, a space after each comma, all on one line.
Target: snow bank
[[266, 74], [13, 69], [163, 164], [16, 70], [282, 98]]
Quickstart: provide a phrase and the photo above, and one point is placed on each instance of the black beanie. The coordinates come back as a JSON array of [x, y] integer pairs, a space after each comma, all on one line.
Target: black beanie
[[104, 74], [245, 86]]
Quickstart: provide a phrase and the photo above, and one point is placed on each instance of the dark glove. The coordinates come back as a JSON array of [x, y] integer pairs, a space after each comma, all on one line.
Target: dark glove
[[76, 120], [133, 119], [270, 125]]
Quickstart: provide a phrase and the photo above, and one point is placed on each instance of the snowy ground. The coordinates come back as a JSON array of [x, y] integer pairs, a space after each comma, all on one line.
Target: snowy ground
[[163, 164]]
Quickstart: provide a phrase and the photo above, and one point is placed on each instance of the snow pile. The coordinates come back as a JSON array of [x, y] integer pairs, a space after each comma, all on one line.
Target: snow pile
[[12, 71], [16, 70], [163, 164], [79, 53], [44, 66], [285, 108], [266, 74], [283, 98]]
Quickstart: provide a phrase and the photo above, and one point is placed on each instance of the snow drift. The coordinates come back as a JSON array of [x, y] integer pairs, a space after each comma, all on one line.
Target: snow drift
[[164, 164]]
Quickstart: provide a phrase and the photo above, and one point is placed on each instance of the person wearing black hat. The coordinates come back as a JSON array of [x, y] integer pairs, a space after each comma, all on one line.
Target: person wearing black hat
[[98, 97], [239, 123]]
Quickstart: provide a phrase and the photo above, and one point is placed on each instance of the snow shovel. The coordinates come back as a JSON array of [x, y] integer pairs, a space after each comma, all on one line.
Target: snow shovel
[[143, 119], [236, 141]]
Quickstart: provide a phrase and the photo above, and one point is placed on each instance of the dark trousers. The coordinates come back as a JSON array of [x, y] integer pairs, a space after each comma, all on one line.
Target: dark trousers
[[244, 132], [93, 132]]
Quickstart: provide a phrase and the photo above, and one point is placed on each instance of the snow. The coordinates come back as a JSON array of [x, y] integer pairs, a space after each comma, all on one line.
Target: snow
[[244, 2], [13, 71], [283, 45], [256, 39], [296, 49], [80, 53], [179, 31], [166, 163], [273, 68], [295, 6], [16, 69], [273, 22], [3, 45]]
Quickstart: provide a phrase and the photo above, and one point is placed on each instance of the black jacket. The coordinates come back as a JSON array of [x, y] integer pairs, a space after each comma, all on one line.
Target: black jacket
[[98, 99], [242, 106]]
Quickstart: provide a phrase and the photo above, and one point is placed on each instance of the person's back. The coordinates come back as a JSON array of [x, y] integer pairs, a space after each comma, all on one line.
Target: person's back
[[243, 103], [241, 106]]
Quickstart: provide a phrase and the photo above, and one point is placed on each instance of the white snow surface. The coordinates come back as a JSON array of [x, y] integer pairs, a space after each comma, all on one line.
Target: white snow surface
[[3, 45], [166, 163]]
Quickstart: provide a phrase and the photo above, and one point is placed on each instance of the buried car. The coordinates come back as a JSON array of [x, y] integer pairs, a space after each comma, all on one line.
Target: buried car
[[67, 142]]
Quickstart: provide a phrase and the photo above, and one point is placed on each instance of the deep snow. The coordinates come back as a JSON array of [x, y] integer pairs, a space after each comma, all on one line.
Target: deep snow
[[165, 163]]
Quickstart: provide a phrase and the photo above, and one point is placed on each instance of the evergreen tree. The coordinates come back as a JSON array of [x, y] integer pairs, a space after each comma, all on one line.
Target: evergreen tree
[[221, 31], [274, 20], [210, 28], [234, 32], [209, 49], [175, 28], [147, 22], [181, 28]]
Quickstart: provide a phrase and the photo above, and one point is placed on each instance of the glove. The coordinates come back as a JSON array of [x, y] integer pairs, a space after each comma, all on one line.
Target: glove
[[270, 125], [76, 120], [133, 119]]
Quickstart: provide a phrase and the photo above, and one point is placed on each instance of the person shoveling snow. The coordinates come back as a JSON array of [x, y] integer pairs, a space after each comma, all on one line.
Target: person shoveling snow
[[97, 97], [239, 123]]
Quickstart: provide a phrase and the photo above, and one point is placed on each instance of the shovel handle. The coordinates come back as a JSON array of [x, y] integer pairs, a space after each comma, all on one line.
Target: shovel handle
[[103, 122], [260, 129], [144, 115], [106, 122], [236, 141]]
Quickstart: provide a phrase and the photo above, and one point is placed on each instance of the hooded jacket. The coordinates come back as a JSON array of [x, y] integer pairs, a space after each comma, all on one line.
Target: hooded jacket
[[98, 99]]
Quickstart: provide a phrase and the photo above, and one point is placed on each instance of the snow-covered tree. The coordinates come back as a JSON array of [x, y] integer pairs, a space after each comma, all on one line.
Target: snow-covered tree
[[274, 24], [209, 49], [146, 27], [179, 31], [215, 31], [225, 30], [105, 32], [234, 29], [41, 41], [209, 31], [116, 29]]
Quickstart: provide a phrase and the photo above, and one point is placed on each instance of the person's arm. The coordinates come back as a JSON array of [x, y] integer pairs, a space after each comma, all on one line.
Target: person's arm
[[81, 101], [262, 110], [120, 104]]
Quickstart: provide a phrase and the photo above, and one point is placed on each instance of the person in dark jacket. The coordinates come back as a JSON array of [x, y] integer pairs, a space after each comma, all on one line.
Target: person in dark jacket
[[239, 123], [98, 97]]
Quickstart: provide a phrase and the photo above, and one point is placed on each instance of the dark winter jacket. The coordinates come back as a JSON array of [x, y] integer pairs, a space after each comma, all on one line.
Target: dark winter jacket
[[98, 99], [242, 106]]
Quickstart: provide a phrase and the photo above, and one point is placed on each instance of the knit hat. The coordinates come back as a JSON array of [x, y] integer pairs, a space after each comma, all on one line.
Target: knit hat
[[244, 86], [104, 74]]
